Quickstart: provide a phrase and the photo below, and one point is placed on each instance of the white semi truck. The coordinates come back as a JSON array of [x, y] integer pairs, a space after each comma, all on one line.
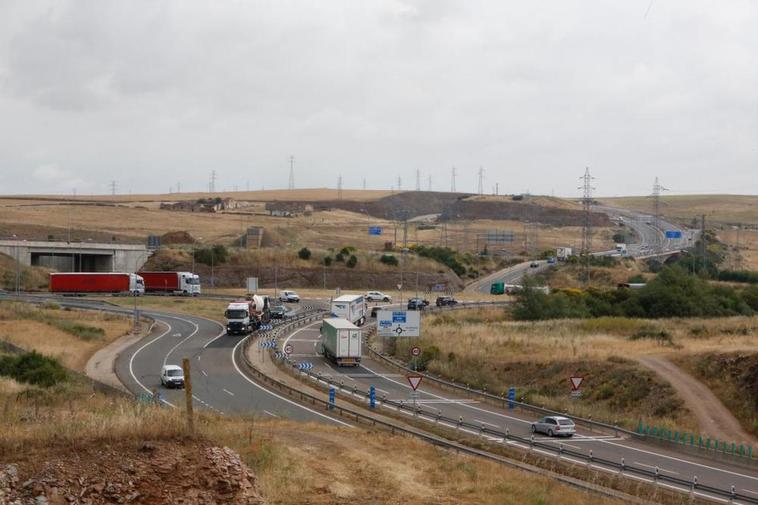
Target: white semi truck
[[350, 307], [246, 316], [341, 342]]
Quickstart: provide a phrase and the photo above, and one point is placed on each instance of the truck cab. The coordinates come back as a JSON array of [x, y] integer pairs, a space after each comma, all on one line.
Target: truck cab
[[239, 320], [189, 283]]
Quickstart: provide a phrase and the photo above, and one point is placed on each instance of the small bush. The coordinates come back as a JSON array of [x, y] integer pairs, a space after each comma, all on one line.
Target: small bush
[[304, 253], [83, 331], [389, 259], [347, 250], [214, 255], [352, 261], [328, 261], [339, 257], [661, 336], [33, 368]]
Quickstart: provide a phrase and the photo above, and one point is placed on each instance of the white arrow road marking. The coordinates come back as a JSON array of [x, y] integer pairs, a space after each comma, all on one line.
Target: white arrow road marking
[[228, 392]]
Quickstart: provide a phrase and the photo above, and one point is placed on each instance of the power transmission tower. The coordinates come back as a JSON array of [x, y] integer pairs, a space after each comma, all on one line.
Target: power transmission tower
[[452, 181], [364, 183], [418, 180], [113, 187], [291, 184], [212, 183], [480, 187], [399, 184], [587, 222], [429, 184], [178, 187], [339, 187], [657, 188]]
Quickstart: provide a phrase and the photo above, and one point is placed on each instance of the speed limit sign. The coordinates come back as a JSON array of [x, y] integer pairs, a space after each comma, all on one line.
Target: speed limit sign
[[415, 351], [288, 349]]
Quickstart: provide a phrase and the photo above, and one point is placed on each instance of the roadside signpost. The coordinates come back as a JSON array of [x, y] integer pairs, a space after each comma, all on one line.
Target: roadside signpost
[[252, 284], [398, 323], [511, 398], [576, 382], [414, 380], [374, 230], [288, 349], [415, 352]]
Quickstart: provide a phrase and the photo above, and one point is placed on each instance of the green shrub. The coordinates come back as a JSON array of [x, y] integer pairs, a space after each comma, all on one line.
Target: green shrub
[[347, 250], [352, 261], [304, 253], [214, 255], [649, 332], [328, 261], [389, 259], [746, 276], [33, 368], [444, 255], [339, 257]]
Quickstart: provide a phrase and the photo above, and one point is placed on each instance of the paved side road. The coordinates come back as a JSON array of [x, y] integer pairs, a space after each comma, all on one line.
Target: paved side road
[[714, 418]]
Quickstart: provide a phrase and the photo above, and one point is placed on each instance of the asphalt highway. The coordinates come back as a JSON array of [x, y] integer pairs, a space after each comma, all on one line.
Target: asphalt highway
[[391, 384]]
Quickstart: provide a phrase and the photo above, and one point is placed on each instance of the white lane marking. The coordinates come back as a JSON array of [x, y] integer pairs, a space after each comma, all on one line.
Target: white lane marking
[[131, 361], [299, 340], [654, 467], [165, 358], [485, 422], [236, 367], [227, 392], [176, 335], [628, 447], [269, 413], [203, 372], [751, 492], [304, 328]]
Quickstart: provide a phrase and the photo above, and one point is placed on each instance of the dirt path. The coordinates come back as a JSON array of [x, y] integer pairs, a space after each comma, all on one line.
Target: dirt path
[[714, 419]]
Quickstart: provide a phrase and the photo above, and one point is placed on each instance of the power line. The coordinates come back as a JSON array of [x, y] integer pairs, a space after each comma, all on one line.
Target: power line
[[480, 187], [113, 187], [291, 184], [587, 223], [452, 180], [418, 180], [339, 187]]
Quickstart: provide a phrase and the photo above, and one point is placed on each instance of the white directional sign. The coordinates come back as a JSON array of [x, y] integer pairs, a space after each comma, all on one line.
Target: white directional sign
[[252, 284], [398, 323]]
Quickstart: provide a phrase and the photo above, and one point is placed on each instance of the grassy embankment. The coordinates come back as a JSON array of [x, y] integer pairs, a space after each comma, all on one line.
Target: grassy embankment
[[72, 336], [287, 457], [484, 348], [733, 377]]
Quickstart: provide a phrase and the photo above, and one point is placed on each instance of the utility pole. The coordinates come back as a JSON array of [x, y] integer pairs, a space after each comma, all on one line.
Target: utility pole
[[657, 188], [587, 222], [399, 184], [339, 187], [212, 183], [188, 395], [178, 187], [291, 183], [429, 184], [418, 180], [452, 180], [480, 187], [364, 184], [113, 187], [497, 188]]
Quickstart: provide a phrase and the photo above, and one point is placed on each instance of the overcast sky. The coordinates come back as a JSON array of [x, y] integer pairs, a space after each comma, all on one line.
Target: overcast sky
[[152, 94]]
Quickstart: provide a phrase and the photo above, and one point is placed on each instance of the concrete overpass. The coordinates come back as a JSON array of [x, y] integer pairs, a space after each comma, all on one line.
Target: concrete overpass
[[77, 256]]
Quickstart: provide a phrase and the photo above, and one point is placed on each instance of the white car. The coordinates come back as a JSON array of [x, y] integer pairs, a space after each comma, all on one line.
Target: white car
[[378, 296], [172, 376], [289, 296], [555, 426]]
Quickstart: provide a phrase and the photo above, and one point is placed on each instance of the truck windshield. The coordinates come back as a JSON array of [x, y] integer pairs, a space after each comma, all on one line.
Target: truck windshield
[[175, 373], [236, 314], [193, 281]]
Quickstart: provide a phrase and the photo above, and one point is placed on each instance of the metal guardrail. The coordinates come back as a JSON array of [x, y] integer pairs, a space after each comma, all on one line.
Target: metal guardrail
[[502, 437]]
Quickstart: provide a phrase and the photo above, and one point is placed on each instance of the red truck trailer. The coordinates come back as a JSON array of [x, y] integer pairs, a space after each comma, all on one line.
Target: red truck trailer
[[179, 283], [96, 282]]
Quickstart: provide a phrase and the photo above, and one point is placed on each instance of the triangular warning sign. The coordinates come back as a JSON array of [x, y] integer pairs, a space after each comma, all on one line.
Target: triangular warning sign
[[576, 381], [414, 381]]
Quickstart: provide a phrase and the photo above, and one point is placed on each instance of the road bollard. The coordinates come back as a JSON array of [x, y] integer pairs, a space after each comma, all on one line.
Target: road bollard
[[589, 459], [531, 443], [623, 466], [437, 419], [460, 421], [692, 488], [657, 473], [560, 450]]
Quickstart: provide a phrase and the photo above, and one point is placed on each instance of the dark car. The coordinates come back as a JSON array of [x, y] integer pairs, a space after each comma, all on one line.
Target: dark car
[[445, 300], [278, 312], [534, 264], [417, 304]]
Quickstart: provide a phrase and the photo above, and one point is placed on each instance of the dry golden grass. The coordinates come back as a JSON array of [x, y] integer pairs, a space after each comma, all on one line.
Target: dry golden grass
[[543, 201], [487, 335], [717, 208], [32, 278], [24, 326], [289, 459], [742, 248]]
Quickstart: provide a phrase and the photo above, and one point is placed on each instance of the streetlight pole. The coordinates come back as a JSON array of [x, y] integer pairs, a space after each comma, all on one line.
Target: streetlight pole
[[18, 270]]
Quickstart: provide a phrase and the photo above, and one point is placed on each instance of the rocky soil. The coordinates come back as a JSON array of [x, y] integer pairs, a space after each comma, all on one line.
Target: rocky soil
[[164, 472]]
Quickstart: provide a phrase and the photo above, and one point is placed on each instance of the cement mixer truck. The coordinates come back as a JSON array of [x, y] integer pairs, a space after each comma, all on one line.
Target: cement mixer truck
[[246, 316]]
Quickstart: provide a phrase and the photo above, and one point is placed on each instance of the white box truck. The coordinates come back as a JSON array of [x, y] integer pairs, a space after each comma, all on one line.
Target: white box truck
[[341, 342], [563, 253], [350, 307]]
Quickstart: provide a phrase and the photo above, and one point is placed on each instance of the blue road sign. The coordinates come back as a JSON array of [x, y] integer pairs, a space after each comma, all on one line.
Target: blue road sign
[[332, 398], [511, 398], [304, 365], [374, 230], [673, 234], [372, 397]]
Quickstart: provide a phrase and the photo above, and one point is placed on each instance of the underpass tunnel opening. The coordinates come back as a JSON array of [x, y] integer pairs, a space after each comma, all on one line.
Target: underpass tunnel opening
[[73, 262]]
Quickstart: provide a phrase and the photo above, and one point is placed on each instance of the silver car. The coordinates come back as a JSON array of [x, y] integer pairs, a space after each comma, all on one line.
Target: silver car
[[554, 426]]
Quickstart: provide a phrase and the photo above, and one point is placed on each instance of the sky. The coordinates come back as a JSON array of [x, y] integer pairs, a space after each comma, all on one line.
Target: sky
[[155, 95]]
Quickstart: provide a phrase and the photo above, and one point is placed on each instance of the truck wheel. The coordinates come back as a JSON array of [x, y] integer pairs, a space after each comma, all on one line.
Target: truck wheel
[[386, 299]]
